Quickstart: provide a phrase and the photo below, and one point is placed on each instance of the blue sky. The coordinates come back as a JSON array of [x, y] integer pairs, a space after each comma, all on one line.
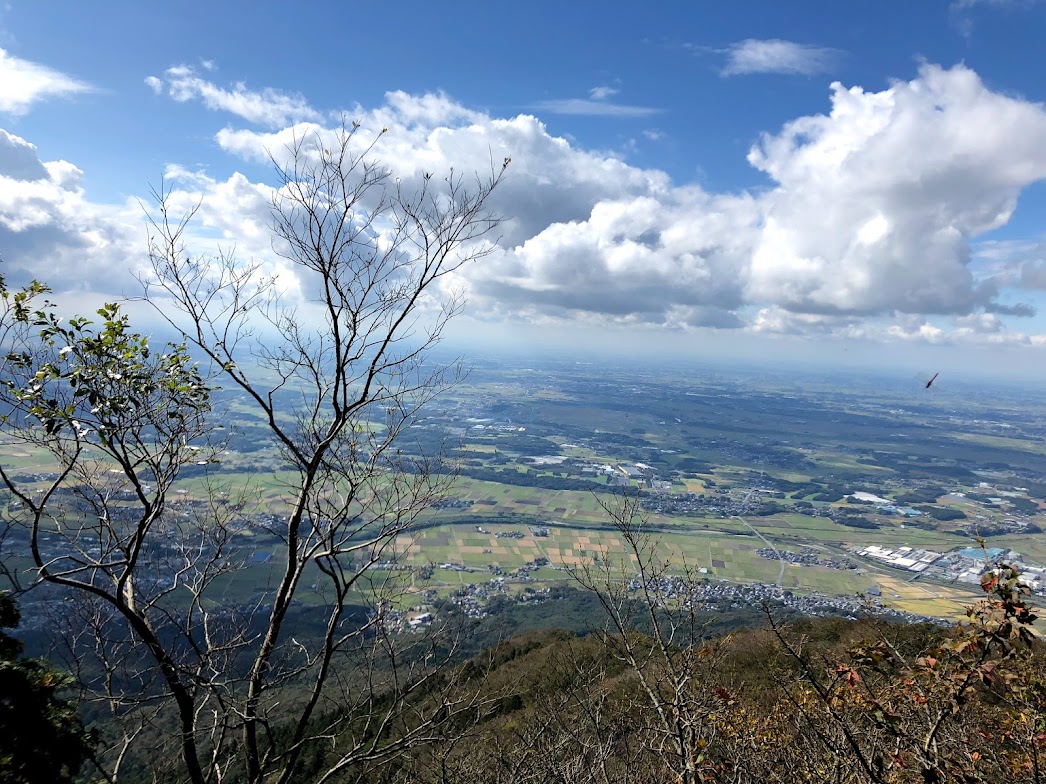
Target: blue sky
[[855, 181]]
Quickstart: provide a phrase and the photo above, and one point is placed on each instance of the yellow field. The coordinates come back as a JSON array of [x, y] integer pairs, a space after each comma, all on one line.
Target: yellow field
[[925, 598]]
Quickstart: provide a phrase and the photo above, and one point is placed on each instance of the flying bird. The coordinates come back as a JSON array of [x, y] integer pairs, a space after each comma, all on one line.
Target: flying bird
[[930, 382]]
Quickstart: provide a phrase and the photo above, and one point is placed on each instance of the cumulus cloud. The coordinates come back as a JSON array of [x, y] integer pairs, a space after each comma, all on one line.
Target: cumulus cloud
[[775, 320], [915, 330], [975, 329], [90, 253], [550, 181], [755, 56], [234, 208], [50, 230], [871, 211], [982, 323], [23, 83], [18, 159], [864, 228], [876, 202], [666, 259]]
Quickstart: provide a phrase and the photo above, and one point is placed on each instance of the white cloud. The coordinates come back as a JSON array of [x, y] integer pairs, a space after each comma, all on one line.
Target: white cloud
[[863, 231], [155, 84], [234, 208], [549, 182], [875, 203], [964, 4], [598, 104], [18, 159], [916, 332], [872, 211], [602, 93], [962, 11], [976, 329], [660, 258], [594, 108], [91, 253], [980, 323], [268, 107], [23, 83], [774, 55], [51, 231], [775, 320], [230, 216]]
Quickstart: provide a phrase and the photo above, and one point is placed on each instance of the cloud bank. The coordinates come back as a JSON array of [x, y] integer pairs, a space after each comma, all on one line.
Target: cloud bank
[[865, 228]]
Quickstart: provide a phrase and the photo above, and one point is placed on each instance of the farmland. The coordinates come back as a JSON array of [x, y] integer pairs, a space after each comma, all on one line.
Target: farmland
[[717, 456]]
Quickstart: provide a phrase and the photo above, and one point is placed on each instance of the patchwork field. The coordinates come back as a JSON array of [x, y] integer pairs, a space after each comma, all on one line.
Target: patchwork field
[[543, 446], [707, 555]]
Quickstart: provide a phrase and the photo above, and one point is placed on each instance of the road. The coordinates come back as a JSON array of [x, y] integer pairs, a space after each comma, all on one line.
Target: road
[[750, 527]]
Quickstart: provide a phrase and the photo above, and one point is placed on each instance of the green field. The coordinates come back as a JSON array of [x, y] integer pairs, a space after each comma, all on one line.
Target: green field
[[807, 443]]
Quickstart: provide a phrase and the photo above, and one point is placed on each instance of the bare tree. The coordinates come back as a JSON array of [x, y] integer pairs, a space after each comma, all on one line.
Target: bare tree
[[338, 382], [880, 705], [674, 660]]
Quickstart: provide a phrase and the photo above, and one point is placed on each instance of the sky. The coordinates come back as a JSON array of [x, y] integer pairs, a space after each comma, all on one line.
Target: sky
[[854, 183]]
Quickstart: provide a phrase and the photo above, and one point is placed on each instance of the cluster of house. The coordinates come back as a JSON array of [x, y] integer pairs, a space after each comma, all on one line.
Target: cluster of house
[[721, 595], [472, 599], [807, 557]]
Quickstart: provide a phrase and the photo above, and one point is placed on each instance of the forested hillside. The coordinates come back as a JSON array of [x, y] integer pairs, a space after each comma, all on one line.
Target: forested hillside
[[830, 699], [811, 701]]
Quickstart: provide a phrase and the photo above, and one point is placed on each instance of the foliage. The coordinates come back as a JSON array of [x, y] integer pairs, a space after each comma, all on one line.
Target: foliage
[[861, 702], [943, 512], [813, 701], [42, 740], [919, 495], [856, 521], [144, 569], [966, 708]]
